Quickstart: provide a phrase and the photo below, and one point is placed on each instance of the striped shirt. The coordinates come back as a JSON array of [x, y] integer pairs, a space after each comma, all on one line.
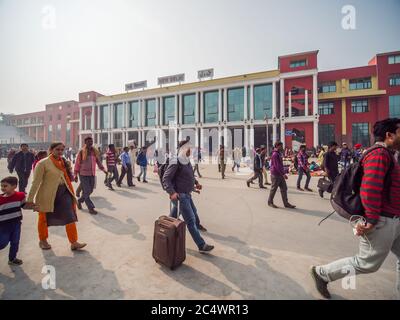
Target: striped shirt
[[373, 192], [10, 207], [110, 158]]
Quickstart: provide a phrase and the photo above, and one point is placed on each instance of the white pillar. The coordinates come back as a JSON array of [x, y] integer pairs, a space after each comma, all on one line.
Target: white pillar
[[252, 103], [282, 98], [246, 137], [251, 142], [274, 133], [98, 118], [202, 139], [274, 115], [290, 104], [162, 112], [220, 105], [316, 138], [245, 115], [196, 115], [201, 106], [180, 109], [226, 104], [283, 137], [225, 132], [196, 138], [81, 120], [220, 133], [306, 103], [92, 118], [315, 94], [157, 114]]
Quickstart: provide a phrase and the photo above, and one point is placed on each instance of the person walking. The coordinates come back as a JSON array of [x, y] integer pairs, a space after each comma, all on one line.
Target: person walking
[[380, 197], [85, 167], [197, 160], [221, 160], [111, 162], [304, 169], [257, 168], [133, 156], [179, 182], [345, 155], [22, 162], [53, 194], [330, 164], [126, 168], [278, 177], [142, 162]]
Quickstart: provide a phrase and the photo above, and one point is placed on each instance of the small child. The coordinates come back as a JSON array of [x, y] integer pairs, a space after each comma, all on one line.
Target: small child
[[11, 203]]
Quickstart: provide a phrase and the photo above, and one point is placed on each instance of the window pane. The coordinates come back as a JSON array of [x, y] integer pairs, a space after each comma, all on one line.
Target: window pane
[[326, 108], [326, 133], [359, 106], [133, 114], [104, 117], [262, 101], [211, 107], [394, 106], [360, 133], [168, 110], [189, 107], [118, 115], [151, 112], [236, 104]]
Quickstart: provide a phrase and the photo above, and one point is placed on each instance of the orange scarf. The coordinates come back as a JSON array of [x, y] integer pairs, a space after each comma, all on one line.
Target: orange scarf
[[59, 163]]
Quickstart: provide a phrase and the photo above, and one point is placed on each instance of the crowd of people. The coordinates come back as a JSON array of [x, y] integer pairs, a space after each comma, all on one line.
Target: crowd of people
[[52, 193]]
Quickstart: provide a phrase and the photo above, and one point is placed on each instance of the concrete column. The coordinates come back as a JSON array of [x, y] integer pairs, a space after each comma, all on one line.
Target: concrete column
[[306, 103], [315, 132], [274, 115], [282, 97], [252, 102], [251, 142], [92, 118], [196, 143], [246, 137], [180, 110], [202, 139], [201, 106], [196, 115], [245, 115], [226, 104], [315, 94], [290, 104], [225, 135], [220, 107], [283, 133], [274, 133]]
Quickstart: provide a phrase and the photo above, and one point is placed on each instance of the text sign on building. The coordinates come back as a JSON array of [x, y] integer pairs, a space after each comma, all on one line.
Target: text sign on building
[[207, 73], [171, 79], [136, 85]]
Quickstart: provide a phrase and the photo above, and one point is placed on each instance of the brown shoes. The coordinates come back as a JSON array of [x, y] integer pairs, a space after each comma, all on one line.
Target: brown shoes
[[44, 245], [92, 211], [77, 246]]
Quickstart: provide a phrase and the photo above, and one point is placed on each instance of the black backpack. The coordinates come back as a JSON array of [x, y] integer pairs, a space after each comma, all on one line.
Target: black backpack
[[162, 168], [345, 197]]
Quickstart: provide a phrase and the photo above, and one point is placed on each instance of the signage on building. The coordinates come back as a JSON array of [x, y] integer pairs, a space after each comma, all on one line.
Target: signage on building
[[136, 85], [207, 73], [171, 79]]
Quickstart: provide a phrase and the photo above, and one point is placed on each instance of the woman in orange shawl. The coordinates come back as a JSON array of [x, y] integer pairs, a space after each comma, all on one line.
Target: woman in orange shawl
[[54, 195]]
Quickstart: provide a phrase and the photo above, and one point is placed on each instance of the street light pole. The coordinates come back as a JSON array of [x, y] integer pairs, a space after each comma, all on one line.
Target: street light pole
[[267, 132]]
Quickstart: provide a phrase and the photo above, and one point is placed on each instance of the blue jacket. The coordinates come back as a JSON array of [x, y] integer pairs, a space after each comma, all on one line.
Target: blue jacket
[[142, 159], [126, 159]]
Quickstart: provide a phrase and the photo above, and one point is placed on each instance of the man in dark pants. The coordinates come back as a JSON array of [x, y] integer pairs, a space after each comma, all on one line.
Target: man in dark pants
[[304, 169], [258, 168], [126, 168], [330, 164], [111, 160], [22, 163], [278, 177]]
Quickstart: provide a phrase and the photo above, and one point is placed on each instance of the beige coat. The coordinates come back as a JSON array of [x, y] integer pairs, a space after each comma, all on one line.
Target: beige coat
[[46, 179]]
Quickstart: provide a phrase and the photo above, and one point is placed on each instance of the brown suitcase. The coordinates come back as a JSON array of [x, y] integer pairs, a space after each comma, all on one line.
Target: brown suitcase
[[169, 244]]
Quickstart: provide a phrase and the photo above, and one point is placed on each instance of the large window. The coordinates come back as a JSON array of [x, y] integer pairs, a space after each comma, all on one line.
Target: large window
[[104, 117], [326, 108], [262, 101], [326, 133], [358, 84], [189, 108], [298, 63], [133, 114], [325, 87], [359, 106], [394, 80], [394, 106], [236, 104], [394, 59], [360, 133], [211, 107], [119, 115], [150, 112], [168, 110]]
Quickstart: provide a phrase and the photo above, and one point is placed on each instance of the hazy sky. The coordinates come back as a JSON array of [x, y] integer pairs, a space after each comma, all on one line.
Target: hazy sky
[[52, 50]]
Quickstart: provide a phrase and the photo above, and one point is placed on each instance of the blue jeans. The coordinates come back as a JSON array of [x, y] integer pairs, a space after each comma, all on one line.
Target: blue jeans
[[143, 170], [189, 213], [10, 232], [307, 173], [174, 212]]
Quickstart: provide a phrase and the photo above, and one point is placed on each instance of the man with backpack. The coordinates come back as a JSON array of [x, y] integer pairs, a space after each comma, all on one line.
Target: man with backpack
[[380, 201], [179, 182], [330, 164]]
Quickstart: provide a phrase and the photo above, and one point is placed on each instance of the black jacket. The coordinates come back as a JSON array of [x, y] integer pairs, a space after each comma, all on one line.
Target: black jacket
[[258, 162], [179, 178], [331, 164], [22, 162]]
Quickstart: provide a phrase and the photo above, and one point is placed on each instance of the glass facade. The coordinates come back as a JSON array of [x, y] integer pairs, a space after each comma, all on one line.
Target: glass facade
[[168, 110], [211, 107], [326, 133], [262, 101], [150, 112], [359, 106], [133, 114], [394, 106], [298, 63], [236, 104], [394, 80], [119, 115], [394, 59], [104, 117], [189, 108], [359, 84], [326, 108], [360, 133]]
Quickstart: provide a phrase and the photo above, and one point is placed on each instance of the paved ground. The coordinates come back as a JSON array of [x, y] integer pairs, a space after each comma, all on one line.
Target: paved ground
[[260, 253]]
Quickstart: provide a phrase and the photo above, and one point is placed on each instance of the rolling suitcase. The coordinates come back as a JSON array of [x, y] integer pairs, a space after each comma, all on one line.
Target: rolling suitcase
[[169, 243]]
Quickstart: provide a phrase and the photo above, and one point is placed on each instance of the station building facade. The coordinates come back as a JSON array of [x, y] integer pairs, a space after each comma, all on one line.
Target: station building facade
[[296, 103]]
